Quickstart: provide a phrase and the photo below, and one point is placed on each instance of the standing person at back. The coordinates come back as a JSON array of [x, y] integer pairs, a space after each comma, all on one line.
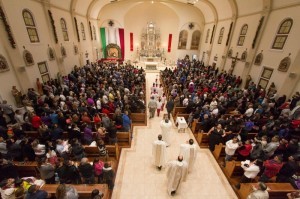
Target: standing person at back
[[159, 152], [170, 107], [188, 151], [165, 126], [152, 105]]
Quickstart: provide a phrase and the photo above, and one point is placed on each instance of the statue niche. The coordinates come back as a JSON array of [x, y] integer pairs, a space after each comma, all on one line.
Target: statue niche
[[113, 51]]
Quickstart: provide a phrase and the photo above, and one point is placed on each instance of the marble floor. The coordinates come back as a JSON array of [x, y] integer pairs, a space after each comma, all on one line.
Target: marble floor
[[137, 178]]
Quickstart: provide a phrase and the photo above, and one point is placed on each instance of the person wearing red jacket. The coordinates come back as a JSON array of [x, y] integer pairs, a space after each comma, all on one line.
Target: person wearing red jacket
[[244, 151], [36, 121], [272, 168]]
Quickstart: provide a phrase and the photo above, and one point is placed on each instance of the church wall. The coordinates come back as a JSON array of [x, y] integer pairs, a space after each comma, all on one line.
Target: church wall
[[218, 49], [205, 47], [96, 43], [165, 19], [7, 78], [13, 9], [273, 57], [252, 22], [71, 59], [85, 45]]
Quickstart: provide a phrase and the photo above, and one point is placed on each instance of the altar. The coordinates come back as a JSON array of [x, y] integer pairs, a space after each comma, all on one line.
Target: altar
[[151, 65]]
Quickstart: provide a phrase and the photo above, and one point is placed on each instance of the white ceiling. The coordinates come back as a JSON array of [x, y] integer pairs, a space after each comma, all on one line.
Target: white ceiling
[[212, 10]]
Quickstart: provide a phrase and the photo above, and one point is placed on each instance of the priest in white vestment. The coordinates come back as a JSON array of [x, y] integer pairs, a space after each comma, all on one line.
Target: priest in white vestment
[[176, 174], [159, 152], [188, 151], [165, 126]]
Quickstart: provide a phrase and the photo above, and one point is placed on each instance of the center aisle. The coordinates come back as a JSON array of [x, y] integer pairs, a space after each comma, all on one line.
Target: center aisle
[[137, 178]]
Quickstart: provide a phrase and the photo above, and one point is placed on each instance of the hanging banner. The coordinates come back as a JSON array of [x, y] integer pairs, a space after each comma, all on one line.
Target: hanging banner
[[122, 45], [169, 43], [131, 41], [112, 36]]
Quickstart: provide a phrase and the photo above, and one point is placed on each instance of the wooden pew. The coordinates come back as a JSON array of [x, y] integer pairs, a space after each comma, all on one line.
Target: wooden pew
[[124, 139], [93, 151], [36, 135], [233, 168], [26, 169], [202, 139], [139, 119], [217, 151], [276, 190], [178, 109], [84, 190]]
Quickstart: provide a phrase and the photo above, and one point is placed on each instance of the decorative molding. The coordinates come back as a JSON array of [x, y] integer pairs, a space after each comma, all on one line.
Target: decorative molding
[[229, 33], [53, 26], [212, 34], [91, 32], [259, 58], [28, 58], [76, 27], [7, 29], [51, 53], [257, 31], [3, 64], [63, 51], [285, 64], [244, 56]]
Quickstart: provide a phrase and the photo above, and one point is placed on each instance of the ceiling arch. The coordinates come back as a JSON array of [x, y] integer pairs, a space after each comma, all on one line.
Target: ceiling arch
[[212, 10]]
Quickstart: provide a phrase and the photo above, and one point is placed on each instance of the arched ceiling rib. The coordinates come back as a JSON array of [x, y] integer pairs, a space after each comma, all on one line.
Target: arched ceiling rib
[[212, 10]]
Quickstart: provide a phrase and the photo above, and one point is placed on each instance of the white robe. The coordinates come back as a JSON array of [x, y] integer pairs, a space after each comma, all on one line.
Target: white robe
[[176, 174], [189, 154], [165, 128], [159, 153]]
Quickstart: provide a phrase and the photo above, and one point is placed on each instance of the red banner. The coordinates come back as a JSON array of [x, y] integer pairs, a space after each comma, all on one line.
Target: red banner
[[131, 41], [169, 43], [122, 43]]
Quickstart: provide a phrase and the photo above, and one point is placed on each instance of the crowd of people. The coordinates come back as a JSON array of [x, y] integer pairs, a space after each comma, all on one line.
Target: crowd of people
[[209, 94], [90, 105]]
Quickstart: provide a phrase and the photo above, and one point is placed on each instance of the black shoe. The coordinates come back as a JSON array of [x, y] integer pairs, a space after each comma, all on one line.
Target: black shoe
[[173, 193]]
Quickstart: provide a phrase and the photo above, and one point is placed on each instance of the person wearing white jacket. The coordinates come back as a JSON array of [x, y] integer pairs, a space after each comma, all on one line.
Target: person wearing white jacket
[[251, 169], [231, 146]]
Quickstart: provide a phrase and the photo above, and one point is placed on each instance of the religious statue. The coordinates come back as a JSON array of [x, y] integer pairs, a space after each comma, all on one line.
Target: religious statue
[[248, 80], [39, 86], [285, 64], [112, 52], [271, 89], [28, 58], [17, 95]]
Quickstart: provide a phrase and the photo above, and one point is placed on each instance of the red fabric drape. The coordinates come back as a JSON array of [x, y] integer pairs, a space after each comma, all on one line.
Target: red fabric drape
[[170, 43], [121, 33], [131, 41]]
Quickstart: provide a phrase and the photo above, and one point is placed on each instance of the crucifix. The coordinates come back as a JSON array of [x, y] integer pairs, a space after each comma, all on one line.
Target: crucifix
[[233, 63]]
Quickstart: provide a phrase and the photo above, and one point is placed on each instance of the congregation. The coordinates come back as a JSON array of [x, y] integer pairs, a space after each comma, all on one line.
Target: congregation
[[91, 105], [228, 114]]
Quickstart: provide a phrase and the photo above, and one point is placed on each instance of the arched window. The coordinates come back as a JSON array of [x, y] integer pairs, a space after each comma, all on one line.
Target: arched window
[[242, 35], [282, 34], [64, 29], [195, 40], [183, 36], [207, 36], [94, 32], [221, 35], [82, 31], [30, 26]]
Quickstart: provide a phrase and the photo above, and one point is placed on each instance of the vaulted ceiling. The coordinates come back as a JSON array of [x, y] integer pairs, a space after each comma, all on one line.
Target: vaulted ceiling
[[212, 10]]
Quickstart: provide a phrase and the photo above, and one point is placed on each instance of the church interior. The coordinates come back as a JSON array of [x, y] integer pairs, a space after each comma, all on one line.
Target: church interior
[[82, 75]]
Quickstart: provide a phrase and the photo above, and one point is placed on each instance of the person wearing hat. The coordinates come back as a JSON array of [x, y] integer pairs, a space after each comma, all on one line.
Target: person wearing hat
[[261, 192]]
